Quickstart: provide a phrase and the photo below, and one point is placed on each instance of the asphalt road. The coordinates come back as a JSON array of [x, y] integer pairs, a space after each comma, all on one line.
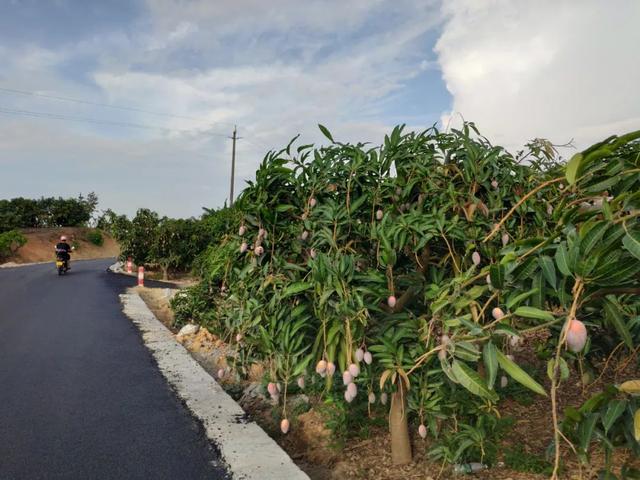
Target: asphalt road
[[80, 395]]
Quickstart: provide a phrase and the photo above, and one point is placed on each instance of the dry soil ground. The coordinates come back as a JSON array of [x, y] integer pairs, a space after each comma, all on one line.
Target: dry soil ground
[[41, 242]]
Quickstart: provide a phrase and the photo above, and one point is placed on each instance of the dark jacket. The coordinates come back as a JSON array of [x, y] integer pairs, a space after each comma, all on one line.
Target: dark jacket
[[62, 250]]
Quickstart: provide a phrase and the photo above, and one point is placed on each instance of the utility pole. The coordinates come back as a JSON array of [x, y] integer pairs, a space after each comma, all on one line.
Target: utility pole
[[233, 165]]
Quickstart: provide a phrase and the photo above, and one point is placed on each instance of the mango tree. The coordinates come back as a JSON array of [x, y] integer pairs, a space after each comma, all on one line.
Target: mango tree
[[417, 268]]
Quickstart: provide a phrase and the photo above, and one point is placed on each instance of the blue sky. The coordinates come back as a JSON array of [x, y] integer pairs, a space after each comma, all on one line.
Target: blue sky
[[519, 69]]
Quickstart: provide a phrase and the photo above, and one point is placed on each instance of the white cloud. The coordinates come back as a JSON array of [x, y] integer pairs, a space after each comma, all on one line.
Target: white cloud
[[258, 15], [557, 70]]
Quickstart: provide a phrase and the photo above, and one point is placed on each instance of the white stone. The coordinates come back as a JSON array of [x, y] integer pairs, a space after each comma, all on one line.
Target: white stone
[[189, 329]]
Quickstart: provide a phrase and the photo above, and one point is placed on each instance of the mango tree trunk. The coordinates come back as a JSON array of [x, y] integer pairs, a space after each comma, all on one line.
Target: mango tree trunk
[[400, 444]]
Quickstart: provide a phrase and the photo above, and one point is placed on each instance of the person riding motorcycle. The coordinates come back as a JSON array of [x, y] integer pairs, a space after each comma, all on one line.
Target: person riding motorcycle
[[63, 250]]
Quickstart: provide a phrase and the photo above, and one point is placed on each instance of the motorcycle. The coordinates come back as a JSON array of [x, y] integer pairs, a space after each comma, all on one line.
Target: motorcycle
[[62, 264]]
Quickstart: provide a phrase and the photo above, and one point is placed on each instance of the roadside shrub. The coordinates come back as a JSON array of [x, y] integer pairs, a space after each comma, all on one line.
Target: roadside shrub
[[194, 304], [10, 242], [95, 237]]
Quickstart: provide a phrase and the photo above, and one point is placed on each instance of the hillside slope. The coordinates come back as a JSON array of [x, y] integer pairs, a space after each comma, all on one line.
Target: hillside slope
[[41, 242]]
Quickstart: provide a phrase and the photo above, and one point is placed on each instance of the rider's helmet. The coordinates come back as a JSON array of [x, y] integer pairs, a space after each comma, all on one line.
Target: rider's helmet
[[63, 238]]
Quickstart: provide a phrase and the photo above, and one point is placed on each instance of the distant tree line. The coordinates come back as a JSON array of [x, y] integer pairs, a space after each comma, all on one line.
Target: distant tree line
[[46, 212]]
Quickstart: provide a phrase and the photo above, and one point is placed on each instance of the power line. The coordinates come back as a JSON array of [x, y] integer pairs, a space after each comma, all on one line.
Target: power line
[[57, 116], [16, 91], [259, 146]]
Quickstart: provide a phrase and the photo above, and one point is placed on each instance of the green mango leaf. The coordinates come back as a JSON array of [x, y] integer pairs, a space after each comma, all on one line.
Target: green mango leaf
[[614, 410], [470, 349], [548, 270], [626, 138], [325, 132], [614, 316], [446, 368], [536, 313], [562, 260], [524, 271], [585, 430], [592, 237], [600, 186], [490, 359], [540, 289], [594, 402], [606, 210], [470, 380], [358, 202], [564, 369], [632, 244], [506, 330], [621, 273], [515, 300], [550, 367], [496, 274], [284, 208], [573, 166], [519, 375]]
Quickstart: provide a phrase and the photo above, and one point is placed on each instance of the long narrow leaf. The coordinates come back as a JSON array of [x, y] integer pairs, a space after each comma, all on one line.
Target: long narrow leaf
[[585, 430], [632, 244], [614, 410], [491, 363], [496, 274], [470, 380], [519, 375], [536, 313], [562, 260], [325, 132], [548, 270], [614, 316]]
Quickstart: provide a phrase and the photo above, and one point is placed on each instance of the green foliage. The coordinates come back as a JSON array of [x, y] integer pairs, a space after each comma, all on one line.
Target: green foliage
[[171, 244], [46, 212], [10, 242], [517, 459], [345, 421], [608, 418], [95, 237], [477, 442], [330, 233], [194, 304]]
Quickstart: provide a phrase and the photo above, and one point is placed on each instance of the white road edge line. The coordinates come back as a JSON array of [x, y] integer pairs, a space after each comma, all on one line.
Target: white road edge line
[[247, 450]]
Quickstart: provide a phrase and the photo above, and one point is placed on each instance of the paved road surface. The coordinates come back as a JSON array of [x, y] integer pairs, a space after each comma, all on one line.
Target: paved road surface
[[80, 396]]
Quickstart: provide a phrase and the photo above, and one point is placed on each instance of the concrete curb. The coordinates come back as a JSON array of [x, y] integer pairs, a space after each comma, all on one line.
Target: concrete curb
[[248, 451]]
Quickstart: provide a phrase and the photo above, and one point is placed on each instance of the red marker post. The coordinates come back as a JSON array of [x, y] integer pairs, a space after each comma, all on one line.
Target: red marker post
[[129, 265], [141, 276]]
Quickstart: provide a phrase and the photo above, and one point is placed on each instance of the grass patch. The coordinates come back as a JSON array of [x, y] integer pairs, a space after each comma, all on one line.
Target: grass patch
[[517, 459]]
